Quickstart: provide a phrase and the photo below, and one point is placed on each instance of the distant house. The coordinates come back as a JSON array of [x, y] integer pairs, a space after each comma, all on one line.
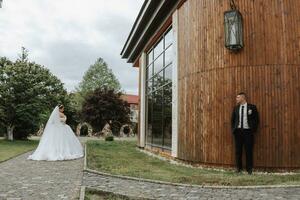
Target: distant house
[[189, 76], [133, 101]]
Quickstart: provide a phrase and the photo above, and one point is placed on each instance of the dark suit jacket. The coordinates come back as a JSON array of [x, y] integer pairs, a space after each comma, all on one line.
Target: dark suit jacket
[[253, 117]]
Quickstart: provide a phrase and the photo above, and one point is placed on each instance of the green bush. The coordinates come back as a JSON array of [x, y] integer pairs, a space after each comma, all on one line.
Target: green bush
[[109, 138]]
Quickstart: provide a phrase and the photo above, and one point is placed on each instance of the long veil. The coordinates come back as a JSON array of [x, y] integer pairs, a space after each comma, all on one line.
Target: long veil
[[52, 121], [54, 117]]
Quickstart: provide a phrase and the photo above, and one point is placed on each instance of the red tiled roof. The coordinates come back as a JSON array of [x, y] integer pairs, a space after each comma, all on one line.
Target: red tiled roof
[[131, 99]]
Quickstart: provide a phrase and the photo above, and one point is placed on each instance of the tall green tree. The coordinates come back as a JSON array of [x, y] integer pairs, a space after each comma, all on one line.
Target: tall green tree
[[98, 76], [28, 93], [71, 110]]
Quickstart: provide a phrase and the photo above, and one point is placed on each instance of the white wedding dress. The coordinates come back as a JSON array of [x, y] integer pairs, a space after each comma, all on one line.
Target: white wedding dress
[[58, 141]]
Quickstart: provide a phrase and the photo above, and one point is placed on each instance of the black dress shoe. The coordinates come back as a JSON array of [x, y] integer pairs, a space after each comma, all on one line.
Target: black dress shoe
[[249, 172]]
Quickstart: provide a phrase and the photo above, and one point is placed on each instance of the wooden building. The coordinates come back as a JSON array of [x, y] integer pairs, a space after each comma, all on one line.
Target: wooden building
[[189, 80]]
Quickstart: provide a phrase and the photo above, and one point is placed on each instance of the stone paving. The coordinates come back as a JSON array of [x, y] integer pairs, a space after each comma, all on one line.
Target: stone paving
[[159, 191], [39, 180], [21, 179]]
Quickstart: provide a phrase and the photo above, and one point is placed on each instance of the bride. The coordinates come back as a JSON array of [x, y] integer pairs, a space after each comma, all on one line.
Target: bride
[[58, 141]]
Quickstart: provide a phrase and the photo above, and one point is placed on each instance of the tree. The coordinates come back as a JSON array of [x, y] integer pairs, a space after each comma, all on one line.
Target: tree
[[28, 93], [104, 105], [98, 76], [71, 110], [4, 62]]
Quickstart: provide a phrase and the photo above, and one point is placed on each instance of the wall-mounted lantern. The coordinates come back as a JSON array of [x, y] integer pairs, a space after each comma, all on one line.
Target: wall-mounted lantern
[[233, 22]]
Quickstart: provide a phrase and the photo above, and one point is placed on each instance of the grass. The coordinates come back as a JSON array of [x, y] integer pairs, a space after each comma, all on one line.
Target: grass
[[10, 149], [122, 158], [98, 195]]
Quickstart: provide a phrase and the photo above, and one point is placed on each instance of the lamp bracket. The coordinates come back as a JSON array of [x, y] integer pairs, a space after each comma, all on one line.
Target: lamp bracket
[[232, 5]]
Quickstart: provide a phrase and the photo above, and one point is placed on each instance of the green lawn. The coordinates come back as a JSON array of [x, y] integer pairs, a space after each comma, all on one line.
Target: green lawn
[[10, 149], [122, 158]]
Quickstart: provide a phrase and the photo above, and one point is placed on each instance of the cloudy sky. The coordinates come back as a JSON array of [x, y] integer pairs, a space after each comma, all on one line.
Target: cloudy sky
[[67, 36]]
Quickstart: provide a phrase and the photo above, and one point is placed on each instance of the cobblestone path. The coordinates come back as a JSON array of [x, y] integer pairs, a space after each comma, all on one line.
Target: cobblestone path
[[159, 191], [21, 179], [39, 180]]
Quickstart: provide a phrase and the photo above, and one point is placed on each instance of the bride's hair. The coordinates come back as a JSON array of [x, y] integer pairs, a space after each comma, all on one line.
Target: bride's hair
[[60, 106]]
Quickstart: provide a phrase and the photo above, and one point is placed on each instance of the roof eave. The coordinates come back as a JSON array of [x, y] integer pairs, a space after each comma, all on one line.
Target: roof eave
[[141, 21], [152, 12], [136, 22]]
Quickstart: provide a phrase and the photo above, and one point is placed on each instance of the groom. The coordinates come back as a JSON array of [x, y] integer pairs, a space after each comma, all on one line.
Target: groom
[[244, 123]]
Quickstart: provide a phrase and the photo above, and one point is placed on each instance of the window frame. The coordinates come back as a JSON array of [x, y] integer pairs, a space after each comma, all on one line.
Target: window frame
[[149, 93]]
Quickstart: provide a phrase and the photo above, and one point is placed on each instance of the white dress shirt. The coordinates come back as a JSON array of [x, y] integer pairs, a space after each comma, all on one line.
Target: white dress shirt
[[245, 116]]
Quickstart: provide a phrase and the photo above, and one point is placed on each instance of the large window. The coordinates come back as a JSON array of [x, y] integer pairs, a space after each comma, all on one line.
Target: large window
[[159, 92]]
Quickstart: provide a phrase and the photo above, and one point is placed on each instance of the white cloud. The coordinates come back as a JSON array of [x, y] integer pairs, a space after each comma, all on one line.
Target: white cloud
[[67, 36]]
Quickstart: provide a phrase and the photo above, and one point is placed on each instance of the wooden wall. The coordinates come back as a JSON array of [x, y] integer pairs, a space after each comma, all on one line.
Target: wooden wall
[[268, 70]]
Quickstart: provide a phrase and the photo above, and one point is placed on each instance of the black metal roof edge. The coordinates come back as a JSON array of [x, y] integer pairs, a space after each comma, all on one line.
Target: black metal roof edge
[[143, 21], [135, 24]]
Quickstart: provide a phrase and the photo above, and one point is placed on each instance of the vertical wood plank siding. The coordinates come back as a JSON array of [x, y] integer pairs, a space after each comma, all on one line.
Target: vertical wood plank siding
[[267, 69]]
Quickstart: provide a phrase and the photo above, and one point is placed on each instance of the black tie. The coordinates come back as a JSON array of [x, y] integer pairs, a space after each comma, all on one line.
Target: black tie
[[242, 118]]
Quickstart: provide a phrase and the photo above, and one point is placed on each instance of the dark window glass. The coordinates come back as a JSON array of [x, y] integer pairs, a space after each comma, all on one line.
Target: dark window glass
[[149, 120], [149, 85], [158, 64], [157, 123], [167, 131], [158, 49], [168, 56], [158, 81], [159, 93], [168, 93], [168, 38], [150, 57], [149, 72], [168, 73]]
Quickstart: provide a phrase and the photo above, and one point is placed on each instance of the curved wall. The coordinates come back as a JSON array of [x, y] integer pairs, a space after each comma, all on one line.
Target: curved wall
[[267, 69]]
